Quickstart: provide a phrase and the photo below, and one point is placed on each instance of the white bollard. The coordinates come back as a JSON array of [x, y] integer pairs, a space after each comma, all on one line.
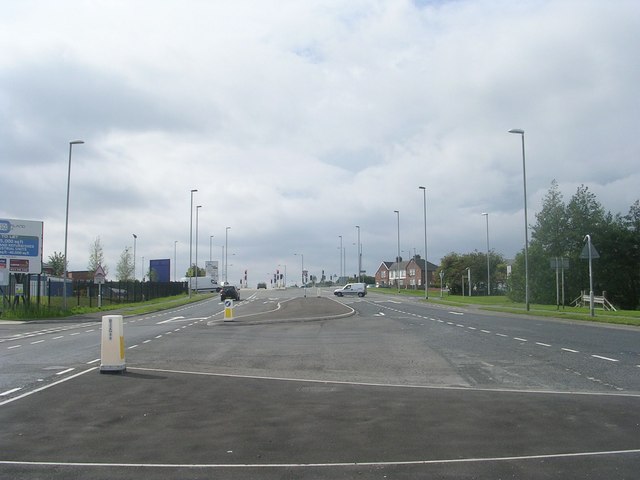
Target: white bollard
[[112, 346]]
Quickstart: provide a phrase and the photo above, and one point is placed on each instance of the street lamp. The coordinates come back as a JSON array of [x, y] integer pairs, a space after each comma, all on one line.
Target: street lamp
[[302, 273], [175, 256], [226, 253], [426, 264], [66, 226], [488, 275], [210, 248], [587, 238], [340, 237], [359, 254], [520, 132], [135, 239], [198, 207], [469, 279], [398, 257], [191, 241]]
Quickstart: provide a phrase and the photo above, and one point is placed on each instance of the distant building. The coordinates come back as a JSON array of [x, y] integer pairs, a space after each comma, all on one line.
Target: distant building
[[405, 274]]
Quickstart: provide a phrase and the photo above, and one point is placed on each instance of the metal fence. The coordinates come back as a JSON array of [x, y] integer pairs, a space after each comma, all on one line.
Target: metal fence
[[46, 290]]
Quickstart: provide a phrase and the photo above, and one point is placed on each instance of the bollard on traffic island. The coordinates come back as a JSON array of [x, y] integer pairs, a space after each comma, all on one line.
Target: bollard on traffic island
[[112, 347]]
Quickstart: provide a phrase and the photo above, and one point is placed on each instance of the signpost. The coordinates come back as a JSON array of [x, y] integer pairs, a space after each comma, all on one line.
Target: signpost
[[590, 252], [98, 279], [559, 264]]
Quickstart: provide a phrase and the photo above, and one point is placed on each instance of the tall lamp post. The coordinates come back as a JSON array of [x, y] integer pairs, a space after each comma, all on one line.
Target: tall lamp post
[[302, 273], [135, 240], [340, 237], [226, 253], [198, 207], [359, 254], [488, 274], [210, 248], [175, 257], [397, 212], [66, 226], [191, 241], [520, 132], [426, 264]]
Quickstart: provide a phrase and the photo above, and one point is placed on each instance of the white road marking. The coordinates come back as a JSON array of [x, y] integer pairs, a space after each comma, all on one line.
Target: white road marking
[[485, 331], [132, 347], [169, 320], [9, 392], [569, 350], [38, 341], [543, 344], [57, 338], [65, 371], [93, 361], [501, 335], [15, 346], [456, 313], [605, 358], [520, 339]]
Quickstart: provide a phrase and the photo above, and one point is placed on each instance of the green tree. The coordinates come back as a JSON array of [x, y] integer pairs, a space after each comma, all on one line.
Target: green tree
[[551, 227], [455, 268], [124, 269], [56, 262], [96, 257], [201, 272]]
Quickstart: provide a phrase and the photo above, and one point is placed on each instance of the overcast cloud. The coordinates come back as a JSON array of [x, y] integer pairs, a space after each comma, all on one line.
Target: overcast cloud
[[298, 120]]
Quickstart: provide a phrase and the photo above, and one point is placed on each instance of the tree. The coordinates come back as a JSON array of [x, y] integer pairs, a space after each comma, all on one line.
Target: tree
[[56, 262], [201, 272], [455, 268], [124, 269], [96, 257], [551, 227]]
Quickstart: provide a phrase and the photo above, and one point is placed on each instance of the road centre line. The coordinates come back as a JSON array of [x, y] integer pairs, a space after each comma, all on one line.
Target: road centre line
[[15, 346], [9, 392], [501, 335], [65, 371], [37, 341], [605, 358], [543, 344], [485, 331], [569, 350], [57, 338], [520, 339]]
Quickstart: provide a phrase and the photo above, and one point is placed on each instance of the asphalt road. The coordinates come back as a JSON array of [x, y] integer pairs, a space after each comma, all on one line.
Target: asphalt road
[[313, 388]]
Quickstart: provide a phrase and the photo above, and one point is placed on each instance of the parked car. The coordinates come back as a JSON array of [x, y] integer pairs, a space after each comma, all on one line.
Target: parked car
[[229, 291], [262, 285], [359, 289]]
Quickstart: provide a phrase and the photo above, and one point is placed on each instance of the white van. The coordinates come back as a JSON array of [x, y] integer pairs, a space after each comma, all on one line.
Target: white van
[[359, 289]]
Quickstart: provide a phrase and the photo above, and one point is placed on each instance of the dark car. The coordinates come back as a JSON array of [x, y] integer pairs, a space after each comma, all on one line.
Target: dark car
[[262, 285], [229, 291]]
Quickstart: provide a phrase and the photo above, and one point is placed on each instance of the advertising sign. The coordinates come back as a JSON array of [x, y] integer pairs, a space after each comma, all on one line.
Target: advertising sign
[[21, 245], [211, 270], [161, 270]]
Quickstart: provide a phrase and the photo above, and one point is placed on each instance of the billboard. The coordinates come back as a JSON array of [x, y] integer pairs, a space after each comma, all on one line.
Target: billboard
[[211, 270], [20, 246], [160, 270]]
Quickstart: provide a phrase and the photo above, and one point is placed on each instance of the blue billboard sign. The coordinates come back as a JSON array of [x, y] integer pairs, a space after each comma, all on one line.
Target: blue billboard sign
[[160, 270]]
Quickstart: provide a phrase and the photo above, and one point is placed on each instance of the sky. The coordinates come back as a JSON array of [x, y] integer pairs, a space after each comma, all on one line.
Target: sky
[[298, 120]]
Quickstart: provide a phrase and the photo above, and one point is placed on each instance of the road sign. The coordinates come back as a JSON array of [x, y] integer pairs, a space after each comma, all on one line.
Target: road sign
[[585, 251], [99, 275], [228, 309]]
